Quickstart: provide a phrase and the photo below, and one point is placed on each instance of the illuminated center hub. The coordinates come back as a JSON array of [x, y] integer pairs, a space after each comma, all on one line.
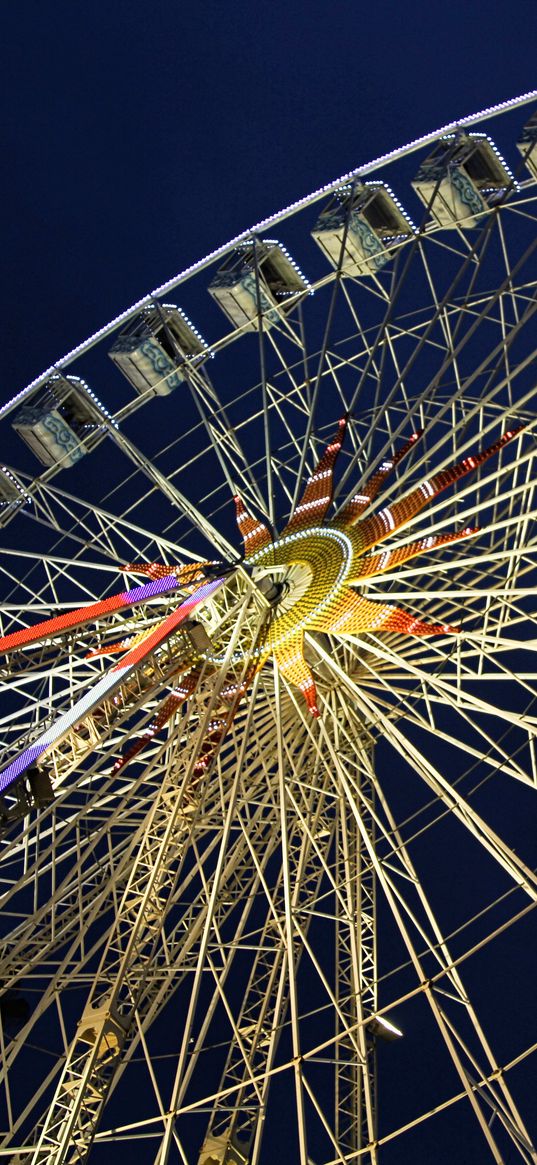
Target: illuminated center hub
[[313, 566], [308, 574], [297, 579]]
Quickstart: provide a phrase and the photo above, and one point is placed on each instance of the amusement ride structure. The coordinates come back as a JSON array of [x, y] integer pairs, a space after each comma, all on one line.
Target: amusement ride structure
[[268, 767]]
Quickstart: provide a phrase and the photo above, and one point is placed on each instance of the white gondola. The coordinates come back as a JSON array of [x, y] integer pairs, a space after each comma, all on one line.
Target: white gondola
[[370, 220], [12, 495], [62, 421], [154, 353], [462, 178], [527, 144], [258, 279]]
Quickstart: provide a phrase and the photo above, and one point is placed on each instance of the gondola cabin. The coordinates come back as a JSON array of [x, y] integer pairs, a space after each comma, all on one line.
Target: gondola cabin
[[527, 144], [258, 281], [12, 495], [62, 421], [360, 226], [157, 349], [461, 179]]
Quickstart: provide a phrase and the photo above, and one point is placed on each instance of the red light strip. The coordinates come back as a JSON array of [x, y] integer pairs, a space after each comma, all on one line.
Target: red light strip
[[55, 626], [105, 686], [317, 495], [355, 508], [376, 528], [255, 534]]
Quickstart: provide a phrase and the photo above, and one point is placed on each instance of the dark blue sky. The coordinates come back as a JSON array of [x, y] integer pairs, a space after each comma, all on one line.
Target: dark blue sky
[[138, 136]]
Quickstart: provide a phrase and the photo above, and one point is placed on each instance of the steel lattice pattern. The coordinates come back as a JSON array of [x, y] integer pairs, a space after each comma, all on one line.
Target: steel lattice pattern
[[234, 929]]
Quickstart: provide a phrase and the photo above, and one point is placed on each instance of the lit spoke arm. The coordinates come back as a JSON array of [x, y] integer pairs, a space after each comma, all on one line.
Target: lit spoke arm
[[105, 686], [84, 615]]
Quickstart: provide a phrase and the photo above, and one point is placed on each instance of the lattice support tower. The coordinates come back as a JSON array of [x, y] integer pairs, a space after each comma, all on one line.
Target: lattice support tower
[[266, 999], [356, 981], [121, 990]]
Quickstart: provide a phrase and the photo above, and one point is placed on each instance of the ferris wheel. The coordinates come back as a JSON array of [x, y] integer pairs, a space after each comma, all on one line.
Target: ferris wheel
[[267, 765]]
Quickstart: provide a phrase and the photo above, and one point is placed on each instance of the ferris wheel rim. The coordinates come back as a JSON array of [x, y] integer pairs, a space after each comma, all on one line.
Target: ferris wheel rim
[[429, 662], [264, 224]]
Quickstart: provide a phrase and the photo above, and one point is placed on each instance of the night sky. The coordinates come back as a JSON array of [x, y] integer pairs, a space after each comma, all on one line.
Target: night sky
[[139, 136]]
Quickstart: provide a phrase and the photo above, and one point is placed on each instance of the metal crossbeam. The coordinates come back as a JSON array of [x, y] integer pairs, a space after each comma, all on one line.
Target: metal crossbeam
[[119, 987]]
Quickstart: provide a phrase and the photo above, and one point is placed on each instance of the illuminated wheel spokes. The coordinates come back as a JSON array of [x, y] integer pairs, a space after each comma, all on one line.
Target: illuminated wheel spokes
[[306, 923]]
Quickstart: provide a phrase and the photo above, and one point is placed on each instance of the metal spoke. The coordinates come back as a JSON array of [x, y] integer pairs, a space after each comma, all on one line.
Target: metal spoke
[[267, 858]]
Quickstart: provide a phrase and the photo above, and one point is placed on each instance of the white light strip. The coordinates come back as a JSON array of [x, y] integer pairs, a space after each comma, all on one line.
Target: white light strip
[[265, 224], [344, 570]]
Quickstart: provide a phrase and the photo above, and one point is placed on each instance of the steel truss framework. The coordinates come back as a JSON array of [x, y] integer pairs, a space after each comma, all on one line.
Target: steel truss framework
[[239, 931]]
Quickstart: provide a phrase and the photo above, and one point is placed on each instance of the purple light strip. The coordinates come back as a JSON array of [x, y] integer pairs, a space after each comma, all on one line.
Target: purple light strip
[[50, 628], [108, 683]]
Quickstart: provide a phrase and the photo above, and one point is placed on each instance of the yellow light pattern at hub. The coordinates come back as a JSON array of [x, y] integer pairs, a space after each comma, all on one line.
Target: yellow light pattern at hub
[[313, 564], [319, 560]]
